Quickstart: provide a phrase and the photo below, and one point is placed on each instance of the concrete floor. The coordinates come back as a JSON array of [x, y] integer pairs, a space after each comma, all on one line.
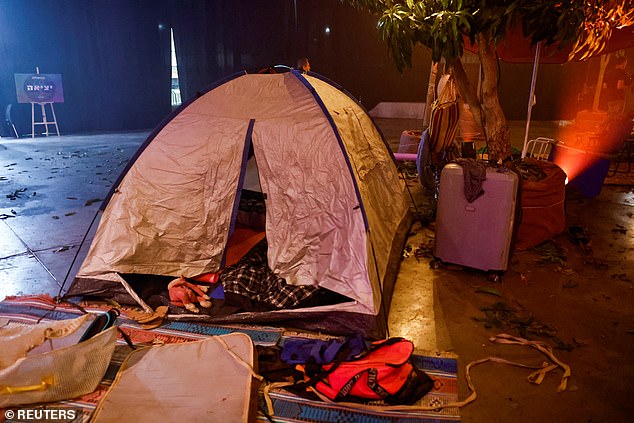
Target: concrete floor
[[51, 189]]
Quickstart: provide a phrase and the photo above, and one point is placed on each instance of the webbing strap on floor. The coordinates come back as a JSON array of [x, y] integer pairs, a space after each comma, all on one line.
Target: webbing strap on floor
[[535, 377]]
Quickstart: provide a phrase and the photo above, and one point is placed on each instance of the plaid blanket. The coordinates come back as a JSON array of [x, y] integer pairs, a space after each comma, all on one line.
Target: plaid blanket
[[252, 279]]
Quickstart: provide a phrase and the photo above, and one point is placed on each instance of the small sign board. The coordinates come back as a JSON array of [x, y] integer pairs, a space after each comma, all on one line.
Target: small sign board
[[39, 87]]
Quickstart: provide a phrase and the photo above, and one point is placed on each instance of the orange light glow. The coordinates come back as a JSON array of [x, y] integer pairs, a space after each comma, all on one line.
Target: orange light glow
[[586, 145], [573, 162], [585, 170]]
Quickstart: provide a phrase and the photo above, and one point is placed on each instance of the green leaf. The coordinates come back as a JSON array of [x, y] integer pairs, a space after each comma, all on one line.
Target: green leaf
[[488, 290]]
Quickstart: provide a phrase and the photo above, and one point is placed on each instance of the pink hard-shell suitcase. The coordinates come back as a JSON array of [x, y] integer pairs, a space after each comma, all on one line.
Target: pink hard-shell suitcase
[[477, 234]]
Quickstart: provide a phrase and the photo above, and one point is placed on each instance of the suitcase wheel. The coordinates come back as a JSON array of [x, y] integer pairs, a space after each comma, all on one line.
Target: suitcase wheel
[[435, 263], [495, 277]]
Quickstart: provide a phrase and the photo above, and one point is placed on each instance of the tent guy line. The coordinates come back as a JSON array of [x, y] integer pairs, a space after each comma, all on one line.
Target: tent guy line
[[32, 252]]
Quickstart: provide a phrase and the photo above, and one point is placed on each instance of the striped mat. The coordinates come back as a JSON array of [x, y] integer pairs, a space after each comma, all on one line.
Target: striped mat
[[288, 407]]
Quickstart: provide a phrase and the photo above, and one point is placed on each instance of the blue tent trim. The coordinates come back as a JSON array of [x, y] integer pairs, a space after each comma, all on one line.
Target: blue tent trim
[[358, 102], [321, 104], [243, 170]]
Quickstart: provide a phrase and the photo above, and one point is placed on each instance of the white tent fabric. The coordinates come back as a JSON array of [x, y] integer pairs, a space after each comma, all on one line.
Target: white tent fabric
[[334, 200]]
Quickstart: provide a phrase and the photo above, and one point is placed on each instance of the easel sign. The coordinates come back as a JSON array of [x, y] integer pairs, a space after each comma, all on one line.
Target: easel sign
[[41, 89]]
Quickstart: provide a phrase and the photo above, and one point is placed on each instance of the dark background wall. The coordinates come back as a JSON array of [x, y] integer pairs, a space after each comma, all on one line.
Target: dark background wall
[[113, 59], [114, 56]]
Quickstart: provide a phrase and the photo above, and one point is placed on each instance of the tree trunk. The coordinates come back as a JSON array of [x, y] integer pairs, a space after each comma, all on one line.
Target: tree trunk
[[466, 90], [497, 132], [431, 89]]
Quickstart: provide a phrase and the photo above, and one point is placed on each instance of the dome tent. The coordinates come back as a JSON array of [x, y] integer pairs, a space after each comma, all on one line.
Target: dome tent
[[336, 214]]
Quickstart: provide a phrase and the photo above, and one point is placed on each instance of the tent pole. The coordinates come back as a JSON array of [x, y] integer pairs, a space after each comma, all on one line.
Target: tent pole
[[531, 97]]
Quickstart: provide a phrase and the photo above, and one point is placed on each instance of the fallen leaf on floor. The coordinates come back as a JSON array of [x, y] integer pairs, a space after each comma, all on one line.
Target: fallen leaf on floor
[[424, 250], [487, 290], [503, 316], [620, 229], [599, 264], [580, 342], [92, 201], [550, 253], [622, 277], [16, 194], [564, 270], [70, 213]]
